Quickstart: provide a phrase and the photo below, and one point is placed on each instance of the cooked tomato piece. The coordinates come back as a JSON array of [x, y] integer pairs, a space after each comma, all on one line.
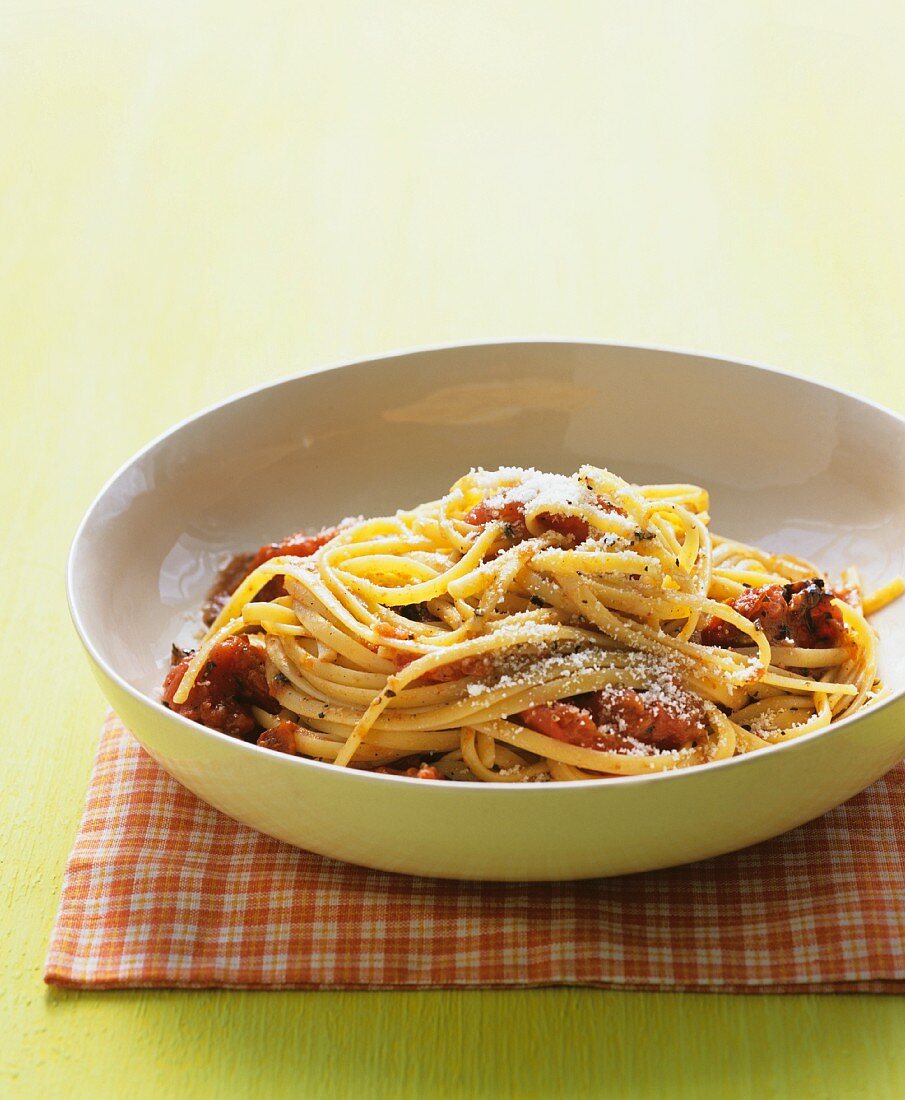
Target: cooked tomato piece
[[574, 528], [280, 738], [510, 511], [564, 722], [717, 632], [610, 720], [298, 545], [231, 682], [802, 612], [666, 719], [814, 620], [455, 670], [765, 606], [239, 566]]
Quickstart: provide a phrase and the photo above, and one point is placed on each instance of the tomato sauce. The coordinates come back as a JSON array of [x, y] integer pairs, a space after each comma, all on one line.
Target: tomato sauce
[[230, 683], [455, 670], [510, 511], [280, 738], [803, 613], [609, 721], [239, 566]]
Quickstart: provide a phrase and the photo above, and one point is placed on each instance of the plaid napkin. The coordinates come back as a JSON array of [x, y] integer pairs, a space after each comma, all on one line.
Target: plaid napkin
[[162, 890]]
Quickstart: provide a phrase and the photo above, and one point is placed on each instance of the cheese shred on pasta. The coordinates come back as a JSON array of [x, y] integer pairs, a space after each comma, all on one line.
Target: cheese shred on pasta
[[532, 627]]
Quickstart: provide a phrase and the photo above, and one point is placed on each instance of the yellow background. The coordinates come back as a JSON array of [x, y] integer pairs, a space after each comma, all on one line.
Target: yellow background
[[196, 196]]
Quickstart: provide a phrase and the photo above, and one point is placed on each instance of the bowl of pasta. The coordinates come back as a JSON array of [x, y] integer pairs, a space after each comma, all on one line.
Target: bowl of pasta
[[517, 611]]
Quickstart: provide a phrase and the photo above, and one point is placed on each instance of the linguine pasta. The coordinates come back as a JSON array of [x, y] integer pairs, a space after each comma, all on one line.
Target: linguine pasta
[[534, 627]]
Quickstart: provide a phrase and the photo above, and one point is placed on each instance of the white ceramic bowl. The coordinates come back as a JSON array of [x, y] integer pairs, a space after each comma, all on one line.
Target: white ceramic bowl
[[790, 465]]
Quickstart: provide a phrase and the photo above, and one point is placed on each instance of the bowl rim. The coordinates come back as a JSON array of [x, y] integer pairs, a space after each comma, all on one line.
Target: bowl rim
[[798, 744]]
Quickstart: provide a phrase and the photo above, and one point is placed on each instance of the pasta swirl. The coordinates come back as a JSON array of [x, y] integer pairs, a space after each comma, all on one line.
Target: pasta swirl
[[532, 627]]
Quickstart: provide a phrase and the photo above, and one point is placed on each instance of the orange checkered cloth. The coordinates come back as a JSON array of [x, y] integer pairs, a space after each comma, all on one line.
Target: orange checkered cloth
[[162, 890]]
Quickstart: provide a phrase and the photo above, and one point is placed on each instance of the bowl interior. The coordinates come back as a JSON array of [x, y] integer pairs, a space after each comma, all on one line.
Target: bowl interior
[[790, 466]]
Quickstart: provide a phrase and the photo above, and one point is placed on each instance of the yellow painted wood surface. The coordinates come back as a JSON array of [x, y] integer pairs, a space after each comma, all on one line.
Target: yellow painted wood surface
[[199, 195]]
